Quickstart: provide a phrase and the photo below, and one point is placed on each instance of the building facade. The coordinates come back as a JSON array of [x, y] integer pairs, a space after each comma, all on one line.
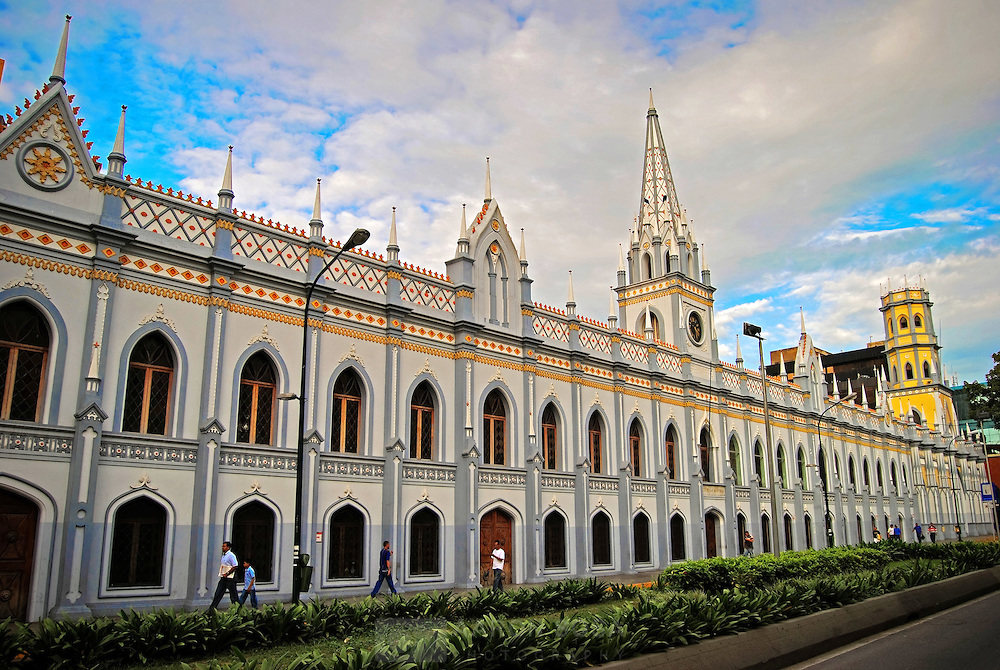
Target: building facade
[[148, 334]]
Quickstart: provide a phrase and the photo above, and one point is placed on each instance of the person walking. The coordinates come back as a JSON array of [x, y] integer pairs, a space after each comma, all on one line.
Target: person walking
[[249, 584], [933, 531], [384, 569], [919, 532], [499, 557], [747, 543], [227, 577]]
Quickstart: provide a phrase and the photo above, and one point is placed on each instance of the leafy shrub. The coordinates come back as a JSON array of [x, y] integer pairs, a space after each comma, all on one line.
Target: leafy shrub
[[72, 643]]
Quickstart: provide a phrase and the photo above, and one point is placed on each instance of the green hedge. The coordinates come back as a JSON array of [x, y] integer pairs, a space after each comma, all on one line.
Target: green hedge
[[728, 595]]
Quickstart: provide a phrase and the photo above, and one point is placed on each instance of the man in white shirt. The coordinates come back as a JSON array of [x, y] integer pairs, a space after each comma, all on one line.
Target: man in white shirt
[[227, 577], [498, 560]]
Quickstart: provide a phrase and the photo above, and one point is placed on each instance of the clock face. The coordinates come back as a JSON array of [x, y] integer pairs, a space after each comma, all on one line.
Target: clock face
[[695, 330]]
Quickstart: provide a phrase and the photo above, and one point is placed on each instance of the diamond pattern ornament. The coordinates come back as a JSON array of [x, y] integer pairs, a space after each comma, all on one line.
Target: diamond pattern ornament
[[168, 220], [427, 294], [550, 328], [596, 341], [267, 248], [350, 272]]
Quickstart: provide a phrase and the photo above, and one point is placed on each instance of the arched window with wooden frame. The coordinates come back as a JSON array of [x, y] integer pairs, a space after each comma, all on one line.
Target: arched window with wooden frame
[[550, 437], [346, 544], [927, 370], [909, 370], [255, 411], [734, 461], [425, 543], [555, 540], [635, 447], [917, 321], [704, 449], [148, 386], [422, 422], [601, 538], [903, 323], [595, 440], [24, 354], [253, 538], [138, 543], [640, 539], [670, 445], [345, 429], [495, 429], [677, 552]]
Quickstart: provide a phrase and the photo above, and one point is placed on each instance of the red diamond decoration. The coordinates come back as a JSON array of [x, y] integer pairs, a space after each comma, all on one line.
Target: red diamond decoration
[[202, 278], [155, 267], [125, 260], [140, 264], [173, 272], [261, 292], [5, 229], [272, 295], [45, 239], [109, 252], [24, 234]]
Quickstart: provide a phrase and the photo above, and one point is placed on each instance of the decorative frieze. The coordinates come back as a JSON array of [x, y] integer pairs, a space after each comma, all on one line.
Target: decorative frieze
[[503, 477], [148, 452], [429, 473], [598, 483], [36, 443], [341, 467], [566, 482], [256, 461], [643, 486]]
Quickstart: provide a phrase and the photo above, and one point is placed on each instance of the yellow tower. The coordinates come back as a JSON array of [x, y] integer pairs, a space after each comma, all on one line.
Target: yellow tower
[[916, 389]]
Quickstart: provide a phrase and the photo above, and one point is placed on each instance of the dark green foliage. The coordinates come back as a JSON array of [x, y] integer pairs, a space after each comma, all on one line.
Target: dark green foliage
[[71, 644]]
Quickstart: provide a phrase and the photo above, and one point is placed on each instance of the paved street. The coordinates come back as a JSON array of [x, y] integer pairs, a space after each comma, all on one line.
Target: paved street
[[965, 637]]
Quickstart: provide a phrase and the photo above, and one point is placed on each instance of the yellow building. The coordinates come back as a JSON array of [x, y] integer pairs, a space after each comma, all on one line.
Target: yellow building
[[916, 388]]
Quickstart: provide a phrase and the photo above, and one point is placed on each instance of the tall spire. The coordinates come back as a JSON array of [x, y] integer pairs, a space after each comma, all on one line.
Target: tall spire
[[59, 69], [570, 299], [463, 236], [802, 320], [648, 328], [658, 206], [521, 255], [781, 365], [739, 353], [226, 192], [612, 310], [316, 224], [116, 159], [489, 194], [392, 249]]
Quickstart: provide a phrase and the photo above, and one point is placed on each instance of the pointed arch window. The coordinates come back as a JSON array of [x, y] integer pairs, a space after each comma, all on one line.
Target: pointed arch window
[[866, 474], [550, 434], [148, 386], [704, 449], [640, 539], [495, 429], [345, 431], [137, 544], [253, 538], [595, 438], [893, 479], [677, 552], [601, 536], [635, 447], [425, 543], [422, 422], [555, 540], [24, 353], [878, 475], [765, 533], [917, 321], [734, 461], [255, 412], [671, 448], [655, 323], [800, 466], [903, 323], [346, 544], [927, 369], [647, 267], [851, 476], [909, 371], [758, 463], [781, 467]]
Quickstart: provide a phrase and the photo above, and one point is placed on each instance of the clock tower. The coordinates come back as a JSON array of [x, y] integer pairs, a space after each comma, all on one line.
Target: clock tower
[[664, 285]]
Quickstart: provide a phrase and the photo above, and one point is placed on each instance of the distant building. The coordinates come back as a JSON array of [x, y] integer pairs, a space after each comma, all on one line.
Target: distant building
[[149, 335]]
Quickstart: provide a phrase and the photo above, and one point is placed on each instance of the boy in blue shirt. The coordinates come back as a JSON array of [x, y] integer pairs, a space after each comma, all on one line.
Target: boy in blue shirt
[[249, 584]]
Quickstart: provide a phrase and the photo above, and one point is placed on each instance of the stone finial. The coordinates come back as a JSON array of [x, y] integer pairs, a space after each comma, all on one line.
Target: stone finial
[[116, 159], [570, 299], [226, 192], [316, 223], [489, 194], [392, 249]]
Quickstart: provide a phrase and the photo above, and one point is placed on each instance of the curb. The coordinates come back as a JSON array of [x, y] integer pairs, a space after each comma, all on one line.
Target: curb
[[782, 644]]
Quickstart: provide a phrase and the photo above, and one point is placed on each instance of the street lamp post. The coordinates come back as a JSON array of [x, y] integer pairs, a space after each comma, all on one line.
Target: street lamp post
[[750, 330], [954, 491], [823, 466], [358, 237]]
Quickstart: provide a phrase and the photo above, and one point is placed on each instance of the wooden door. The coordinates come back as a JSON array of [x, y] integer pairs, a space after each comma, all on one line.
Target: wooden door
[[711, 536], [18, 524], [496, 525]]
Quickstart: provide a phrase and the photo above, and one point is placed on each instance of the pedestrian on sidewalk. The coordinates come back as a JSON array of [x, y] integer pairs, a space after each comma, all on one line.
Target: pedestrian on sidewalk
[[919, 532], [933, 531], [227, 577], [249, 584], [747, 543], [499, 558], [384, 569]]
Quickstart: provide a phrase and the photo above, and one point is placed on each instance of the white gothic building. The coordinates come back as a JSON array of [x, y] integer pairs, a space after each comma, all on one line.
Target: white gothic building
[[147, 335]]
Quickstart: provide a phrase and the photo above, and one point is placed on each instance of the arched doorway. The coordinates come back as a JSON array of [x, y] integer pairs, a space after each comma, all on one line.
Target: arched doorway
[[18, 525], [788, 532], [711, 535], [677, 538], [496, 525], [253, 538], [765, 534]]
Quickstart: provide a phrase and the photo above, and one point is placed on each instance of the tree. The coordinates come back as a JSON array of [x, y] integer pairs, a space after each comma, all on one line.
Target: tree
[[984, 399]]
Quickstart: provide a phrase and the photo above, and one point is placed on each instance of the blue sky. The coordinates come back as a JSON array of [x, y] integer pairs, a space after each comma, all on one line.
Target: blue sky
[[822, 150]]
